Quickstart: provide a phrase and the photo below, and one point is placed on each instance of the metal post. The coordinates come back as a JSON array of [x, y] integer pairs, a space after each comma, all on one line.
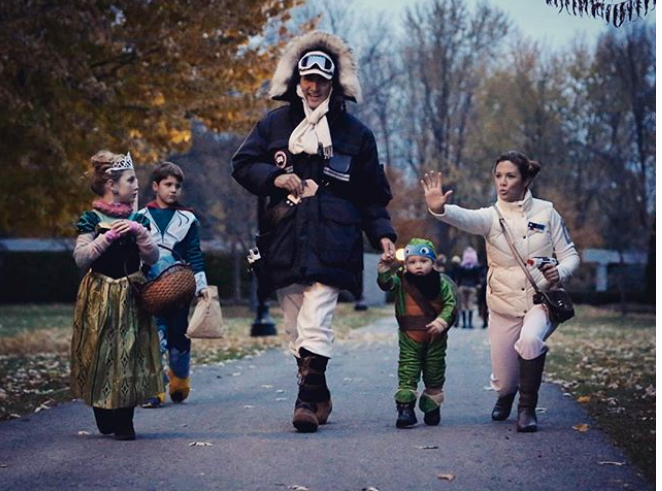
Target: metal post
[[264, 324]]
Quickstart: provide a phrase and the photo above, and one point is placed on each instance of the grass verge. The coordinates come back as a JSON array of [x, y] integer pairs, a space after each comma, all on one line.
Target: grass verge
[[608, 364], [34, 349]]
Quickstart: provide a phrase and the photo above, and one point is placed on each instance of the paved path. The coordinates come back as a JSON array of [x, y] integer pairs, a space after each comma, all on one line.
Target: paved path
[[243, 409]]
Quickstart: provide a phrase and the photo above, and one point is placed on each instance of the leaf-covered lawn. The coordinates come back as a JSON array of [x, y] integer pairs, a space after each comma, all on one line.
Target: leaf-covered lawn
[[34, 349], [605, 362], [608, 364]]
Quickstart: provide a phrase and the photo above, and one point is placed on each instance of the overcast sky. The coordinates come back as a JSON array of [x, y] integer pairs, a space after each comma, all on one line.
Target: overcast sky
[[535, 18]]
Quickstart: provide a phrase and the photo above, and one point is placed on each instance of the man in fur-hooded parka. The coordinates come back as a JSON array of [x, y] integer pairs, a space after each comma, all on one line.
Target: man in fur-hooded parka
[[321, 239], [326, 161]]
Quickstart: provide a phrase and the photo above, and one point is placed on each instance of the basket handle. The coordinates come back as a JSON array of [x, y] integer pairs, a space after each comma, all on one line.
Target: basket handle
[[174, 253]]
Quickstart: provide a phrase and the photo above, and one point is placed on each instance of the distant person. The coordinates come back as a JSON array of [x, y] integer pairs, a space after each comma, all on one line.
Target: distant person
[[467, 278], [424, 307], [483, 311], [452, 273], [440, 264], [454, 267], [319, 167], [115, 362], [175, 227], [517, 326]]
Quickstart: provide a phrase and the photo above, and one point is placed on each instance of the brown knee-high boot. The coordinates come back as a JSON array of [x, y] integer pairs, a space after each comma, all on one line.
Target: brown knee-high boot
[[313, 404], [529, 384]]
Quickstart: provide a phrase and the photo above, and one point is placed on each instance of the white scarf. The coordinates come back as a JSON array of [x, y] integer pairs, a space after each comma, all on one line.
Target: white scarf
[[313, 130]]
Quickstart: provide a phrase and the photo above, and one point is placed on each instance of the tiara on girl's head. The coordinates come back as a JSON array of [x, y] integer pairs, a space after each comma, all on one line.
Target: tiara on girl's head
[[125, 163]]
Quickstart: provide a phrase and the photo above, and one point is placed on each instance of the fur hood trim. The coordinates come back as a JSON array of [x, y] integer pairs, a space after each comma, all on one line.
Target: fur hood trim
[[346, 78]]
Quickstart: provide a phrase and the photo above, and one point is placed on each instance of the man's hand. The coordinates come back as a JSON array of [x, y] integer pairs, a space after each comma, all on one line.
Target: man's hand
[[435, 197], [437, 326], [384, 265], [291, 183], [388, 249]]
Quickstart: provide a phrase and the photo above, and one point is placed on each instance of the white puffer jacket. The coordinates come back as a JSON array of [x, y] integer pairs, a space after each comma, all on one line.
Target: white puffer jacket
[[509, 292]]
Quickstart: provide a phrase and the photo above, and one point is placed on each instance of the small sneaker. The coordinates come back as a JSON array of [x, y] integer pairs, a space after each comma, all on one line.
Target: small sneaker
[[406, 415], [433, 417], [179, 387], [154, 402]]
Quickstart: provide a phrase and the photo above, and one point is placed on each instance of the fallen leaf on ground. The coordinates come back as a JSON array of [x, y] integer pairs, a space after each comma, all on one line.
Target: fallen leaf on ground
[[609, 462], [199, 444], [446, 477], [582, 428], [583, 399]]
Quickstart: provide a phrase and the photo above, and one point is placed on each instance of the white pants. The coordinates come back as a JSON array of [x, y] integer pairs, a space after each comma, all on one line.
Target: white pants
[[308, 313], [512, 336]]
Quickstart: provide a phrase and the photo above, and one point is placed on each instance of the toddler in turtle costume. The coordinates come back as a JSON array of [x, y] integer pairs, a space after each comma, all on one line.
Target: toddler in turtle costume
[[425, 307]]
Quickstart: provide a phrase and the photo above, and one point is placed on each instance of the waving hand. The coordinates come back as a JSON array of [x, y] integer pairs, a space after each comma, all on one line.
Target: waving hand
[[435, 197]]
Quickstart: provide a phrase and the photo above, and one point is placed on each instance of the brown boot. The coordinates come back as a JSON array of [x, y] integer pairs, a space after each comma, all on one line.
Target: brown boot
[[323, 411], [530, 379], [304, 418], [313, 404], [503, 407]]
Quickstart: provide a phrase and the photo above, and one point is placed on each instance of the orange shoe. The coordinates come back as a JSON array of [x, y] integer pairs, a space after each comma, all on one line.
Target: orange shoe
[[180, 388]]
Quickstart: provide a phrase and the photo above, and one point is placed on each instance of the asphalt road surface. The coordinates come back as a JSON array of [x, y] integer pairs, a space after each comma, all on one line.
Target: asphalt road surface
[[235, 433]]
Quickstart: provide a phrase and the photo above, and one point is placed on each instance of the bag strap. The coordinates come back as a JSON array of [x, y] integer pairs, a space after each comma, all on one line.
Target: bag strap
[[419, 298], [511, 244]]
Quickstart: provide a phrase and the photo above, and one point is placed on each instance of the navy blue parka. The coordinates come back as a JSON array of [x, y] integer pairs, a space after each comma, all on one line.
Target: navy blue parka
[[321, 239]]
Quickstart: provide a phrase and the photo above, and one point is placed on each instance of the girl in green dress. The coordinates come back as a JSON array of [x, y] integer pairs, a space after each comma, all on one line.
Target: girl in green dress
[[115, 361]]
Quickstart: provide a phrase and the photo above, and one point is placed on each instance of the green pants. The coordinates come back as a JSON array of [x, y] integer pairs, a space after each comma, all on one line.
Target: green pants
[[416, 358]]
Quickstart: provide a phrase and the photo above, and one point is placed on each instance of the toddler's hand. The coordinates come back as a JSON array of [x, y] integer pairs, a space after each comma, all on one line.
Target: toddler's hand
[[437, 326]]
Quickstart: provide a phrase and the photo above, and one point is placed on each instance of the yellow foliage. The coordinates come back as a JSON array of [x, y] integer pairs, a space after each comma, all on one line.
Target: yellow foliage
[[180, 136]]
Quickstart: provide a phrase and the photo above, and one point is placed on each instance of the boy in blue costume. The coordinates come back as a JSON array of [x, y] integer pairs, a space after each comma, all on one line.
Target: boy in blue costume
[[175, 227]]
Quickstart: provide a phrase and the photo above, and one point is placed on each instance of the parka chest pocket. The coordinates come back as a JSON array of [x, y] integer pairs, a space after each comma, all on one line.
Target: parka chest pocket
[[339, 167], [340, 239]]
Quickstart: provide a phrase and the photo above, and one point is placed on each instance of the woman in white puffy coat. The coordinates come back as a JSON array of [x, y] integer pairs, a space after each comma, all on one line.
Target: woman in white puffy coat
[[517, 326]]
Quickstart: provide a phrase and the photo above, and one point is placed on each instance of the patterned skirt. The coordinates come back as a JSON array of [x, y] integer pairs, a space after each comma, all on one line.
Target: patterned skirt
[[115, 356]]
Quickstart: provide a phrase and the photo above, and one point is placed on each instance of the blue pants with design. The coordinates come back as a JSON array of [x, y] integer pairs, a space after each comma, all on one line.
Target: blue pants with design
[[172, 330]]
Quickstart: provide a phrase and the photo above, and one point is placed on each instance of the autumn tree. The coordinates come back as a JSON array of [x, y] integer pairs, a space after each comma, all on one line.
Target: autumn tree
[[82, 75]]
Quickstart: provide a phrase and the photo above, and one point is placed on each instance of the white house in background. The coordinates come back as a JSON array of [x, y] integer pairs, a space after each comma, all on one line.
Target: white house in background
[[605, 257]]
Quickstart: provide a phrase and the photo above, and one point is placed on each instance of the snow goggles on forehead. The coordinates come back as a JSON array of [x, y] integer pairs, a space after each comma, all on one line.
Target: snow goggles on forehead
[[317, 62]]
